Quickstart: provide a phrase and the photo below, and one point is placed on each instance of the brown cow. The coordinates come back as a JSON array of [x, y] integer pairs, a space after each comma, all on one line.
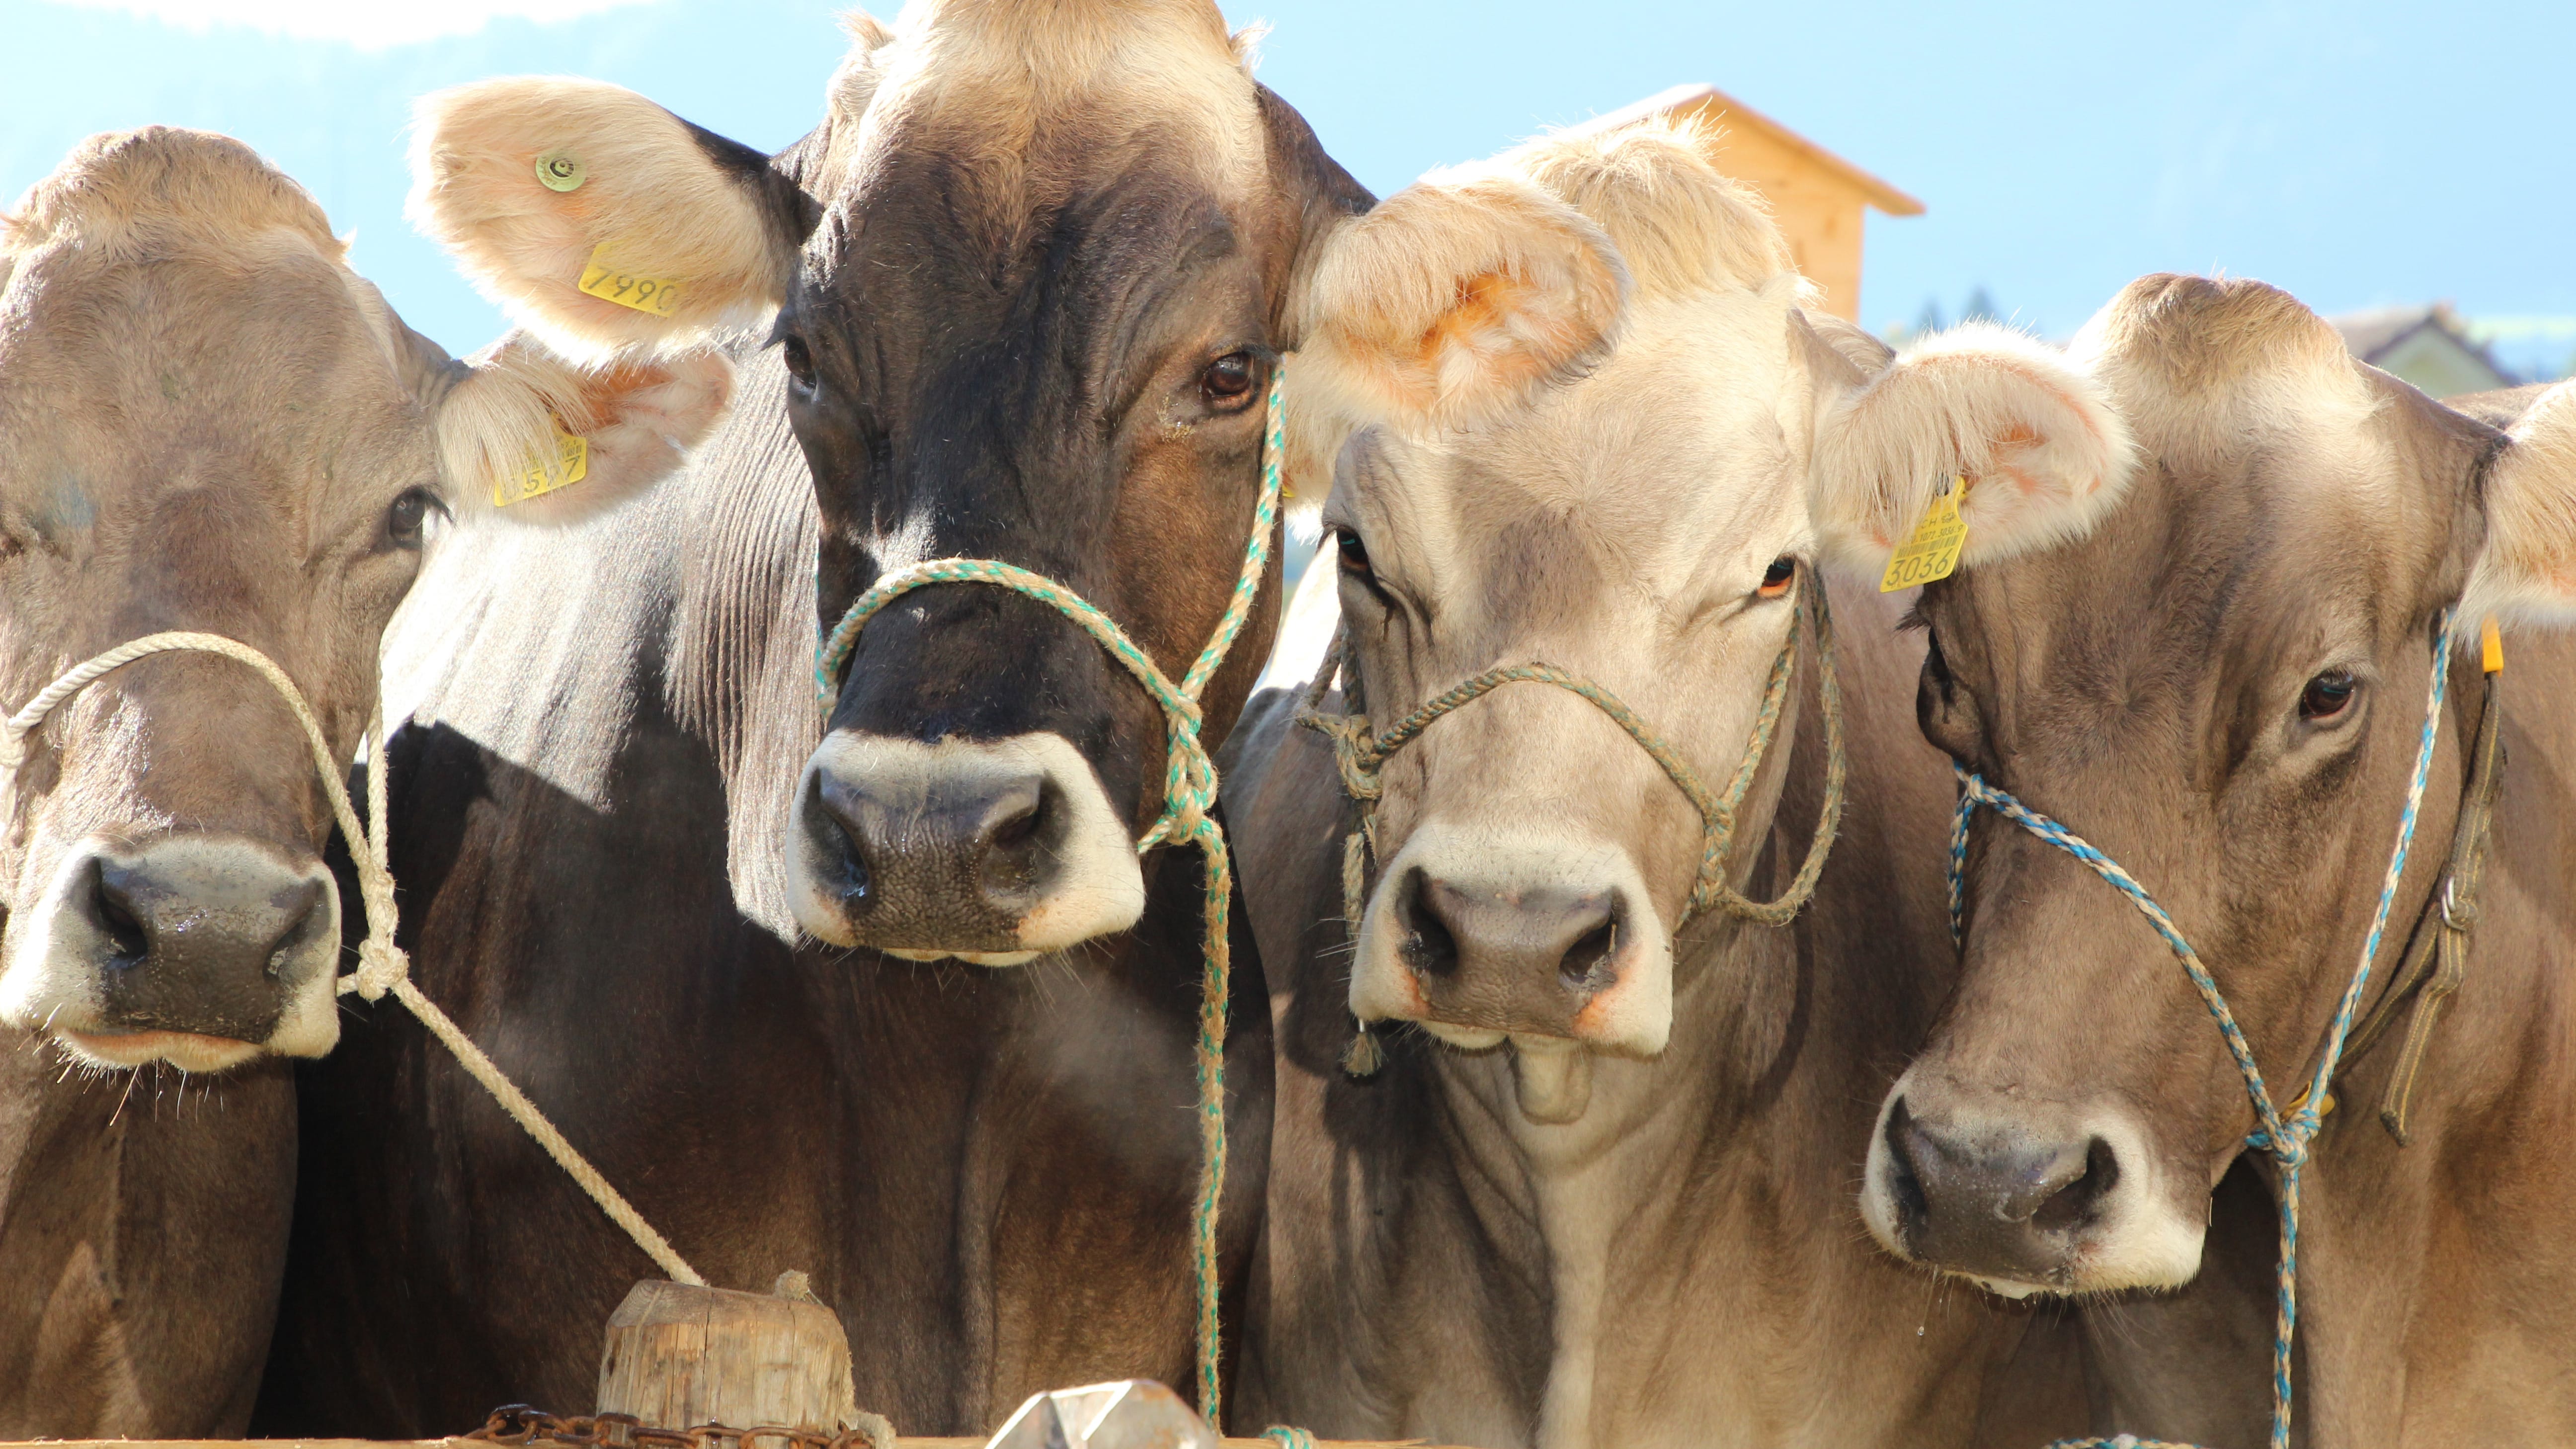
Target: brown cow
[[2219, 679], [207, 422], [1603, 1196], [1027, 281]]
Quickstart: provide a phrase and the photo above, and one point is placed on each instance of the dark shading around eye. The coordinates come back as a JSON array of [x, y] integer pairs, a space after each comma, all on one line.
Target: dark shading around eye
[[2328, 695], [799, 359], [408, 517], [1777, 578], [1352, 553], [1227, 382]]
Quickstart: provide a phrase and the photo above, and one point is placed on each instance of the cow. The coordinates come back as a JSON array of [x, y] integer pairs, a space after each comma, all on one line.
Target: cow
[[2220, 677], [1600, 1191], [210, 423], [889, 998]]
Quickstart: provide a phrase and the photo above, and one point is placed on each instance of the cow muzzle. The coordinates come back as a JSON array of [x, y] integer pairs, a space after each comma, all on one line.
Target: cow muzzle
[[201, 951], [2023, 1198], [1484, 936], [992, 851]]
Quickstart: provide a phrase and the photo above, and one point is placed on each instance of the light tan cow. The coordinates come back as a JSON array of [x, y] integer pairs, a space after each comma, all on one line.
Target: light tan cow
[[208, 422]]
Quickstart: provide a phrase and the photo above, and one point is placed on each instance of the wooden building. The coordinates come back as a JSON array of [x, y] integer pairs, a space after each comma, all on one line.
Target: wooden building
[[1817, 197]]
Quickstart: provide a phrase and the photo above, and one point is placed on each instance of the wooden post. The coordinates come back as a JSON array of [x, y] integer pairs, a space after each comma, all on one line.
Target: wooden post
[[679, 1356]]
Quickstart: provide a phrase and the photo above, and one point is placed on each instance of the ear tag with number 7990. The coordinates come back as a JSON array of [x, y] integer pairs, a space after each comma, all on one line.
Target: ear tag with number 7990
[[1932, 552], [655, 295]]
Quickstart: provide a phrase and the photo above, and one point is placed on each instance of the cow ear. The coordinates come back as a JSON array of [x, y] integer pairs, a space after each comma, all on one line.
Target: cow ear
[[1451, 301], [540, 440], [597, 219], [2036, 440], [2527, 567]]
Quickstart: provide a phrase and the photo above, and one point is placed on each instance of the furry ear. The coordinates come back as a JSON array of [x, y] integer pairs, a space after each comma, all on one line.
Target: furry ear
[[1451, 302], [506, 429], [2043, 452], [2527, 568], [643, 232]]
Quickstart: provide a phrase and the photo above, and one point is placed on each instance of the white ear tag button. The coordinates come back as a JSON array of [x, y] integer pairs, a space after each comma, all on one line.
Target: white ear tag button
[[560, 171], [1933, 550]]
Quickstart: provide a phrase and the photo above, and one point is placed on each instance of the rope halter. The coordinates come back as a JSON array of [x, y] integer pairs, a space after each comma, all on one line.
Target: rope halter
[[383, 967], [1189, 798], [1360, 753], [2286, 1137]]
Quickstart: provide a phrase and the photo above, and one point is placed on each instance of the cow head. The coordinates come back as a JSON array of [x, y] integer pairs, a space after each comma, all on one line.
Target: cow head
[[208, 422], [1646, 526], [2219, 679], [1030, 281]]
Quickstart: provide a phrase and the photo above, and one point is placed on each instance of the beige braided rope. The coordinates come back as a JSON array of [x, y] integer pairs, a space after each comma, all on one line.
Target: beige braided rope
[[382, 966]]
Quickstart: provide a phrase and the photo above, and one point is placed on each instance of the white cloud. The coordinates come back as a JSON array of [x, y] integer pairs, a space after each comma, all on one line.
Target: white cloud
[[366, 24]]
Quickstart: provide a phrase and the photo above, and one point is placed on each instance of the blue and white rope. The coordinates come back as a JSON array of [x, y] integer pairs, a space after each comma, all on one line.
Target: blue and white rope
[[2286, 1140]]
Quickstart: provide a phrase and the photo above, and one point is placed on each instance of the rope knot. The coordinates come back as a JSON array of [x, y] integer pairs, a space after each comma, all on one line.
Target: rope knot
[[381, 966], [1355, 753]]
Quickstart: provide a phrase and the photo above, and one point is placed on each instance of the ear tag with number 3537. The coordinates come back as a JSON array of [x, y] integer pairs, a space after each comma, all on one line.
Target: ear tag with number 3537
[[1932, 552], [567, 465]]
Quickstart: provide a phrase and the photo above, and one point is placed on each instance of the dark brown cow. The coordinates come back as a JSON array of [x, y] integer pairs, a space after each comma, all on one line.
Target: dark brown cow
[[1603, 1195], [2221, 684], [1028, 282], [208, 422]]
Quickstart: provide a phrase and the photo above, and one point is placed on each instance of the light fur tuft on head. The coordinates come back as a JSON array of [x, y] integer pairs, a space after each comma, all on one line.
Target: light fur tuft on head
[[649, 194], [1681, 225], [2042, 450], [161, 188]]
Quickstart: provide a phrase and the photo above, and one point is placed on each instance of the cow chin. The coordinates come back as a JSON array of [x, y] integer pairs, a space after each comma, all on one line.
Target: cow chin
[[201, 952], [991, 851], [2027, 1198], [1481, 934]]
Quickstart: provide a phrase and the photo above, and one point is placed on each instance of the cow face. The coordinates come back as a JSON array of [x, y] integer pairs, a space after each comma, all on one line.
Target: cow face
[[1645, 526], [2221, 685], [1029, 282], [208, 422]]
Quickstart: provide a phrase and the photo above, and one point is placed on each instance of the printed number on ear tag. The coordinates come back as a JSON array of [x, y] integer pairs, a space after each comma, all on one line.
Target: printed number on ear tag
[[1933, 550], [569, 465], [645, 294]]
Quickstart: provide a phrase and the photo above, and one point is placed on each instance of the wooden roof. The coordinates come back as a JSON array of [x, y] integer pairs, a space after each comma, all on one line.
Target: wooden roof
[[1741, 117]]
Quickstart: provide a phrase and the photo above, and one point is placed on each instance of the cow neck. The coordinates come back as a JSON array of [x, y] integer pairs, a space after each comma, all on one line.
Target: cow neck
[[2285, 1134], [383, 967], [1189, 798], [1360, 751]]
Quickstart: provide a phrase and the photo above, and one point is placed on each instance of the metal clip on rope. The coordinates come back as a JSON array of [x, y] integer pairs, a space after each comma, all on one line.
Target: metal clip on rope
[[1189, 794], [382, 966], [1359, 754], [2286, 1137]]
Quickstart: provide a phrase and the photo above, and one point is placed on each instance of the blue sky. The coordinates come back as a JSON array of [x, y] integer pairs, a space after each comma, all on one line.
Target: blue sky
[[2356, 153]]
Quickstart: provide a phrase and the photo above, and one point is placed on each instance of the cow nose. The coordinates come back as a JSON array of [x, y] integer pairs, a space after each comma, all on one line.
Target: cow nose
[[1525, 959], [188, 940], [1995, 1203], [980, 840]]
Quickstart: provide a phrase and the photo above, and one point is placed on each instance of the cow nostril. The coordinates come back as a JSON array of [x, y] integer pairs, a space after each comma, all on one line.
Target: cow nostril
[[1904, 1182], [1429, 947], [2071, 1204], [301, 922], [115, 913], [1589, 953], [839, 865]]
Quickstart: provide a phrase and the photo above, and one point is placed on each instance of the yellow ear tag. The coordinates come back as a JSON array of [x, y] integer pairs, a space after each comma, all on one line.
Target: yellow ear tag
[[1933, 552], [569, 465], [627, 289], [2491, 644]]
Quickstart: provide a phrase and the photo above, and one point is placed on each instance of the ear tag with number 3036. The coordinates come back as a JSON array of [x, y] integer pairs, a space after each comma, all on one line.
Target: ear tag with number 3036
[[1932, 552], [655, 295]]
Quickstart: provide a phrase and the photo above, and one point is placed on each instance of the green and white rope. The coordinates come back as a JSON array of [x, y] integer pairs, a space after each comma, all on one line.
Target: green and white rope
[[383, 967], [1189, 795]]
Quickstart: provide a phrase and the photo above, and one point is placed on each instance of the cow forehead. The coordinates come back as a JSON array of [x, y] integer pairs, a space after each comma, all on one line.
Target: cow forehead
[[1030, 105]]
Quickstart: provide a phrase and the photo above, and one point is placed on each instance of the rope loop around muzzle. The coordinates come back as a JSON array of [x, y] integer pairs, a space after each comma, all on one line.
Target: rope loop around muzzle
[[2286, 1137], [1360, 752], [1189, 800], [383, 967]]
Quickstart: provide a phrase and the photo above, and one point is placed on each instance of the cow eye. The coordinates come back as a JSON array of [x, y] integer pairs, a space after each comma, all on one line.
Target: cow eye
[[1777, 578], [1227, 382], [408, 516], [2327, 695], [1353, 555], [799, 360]]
